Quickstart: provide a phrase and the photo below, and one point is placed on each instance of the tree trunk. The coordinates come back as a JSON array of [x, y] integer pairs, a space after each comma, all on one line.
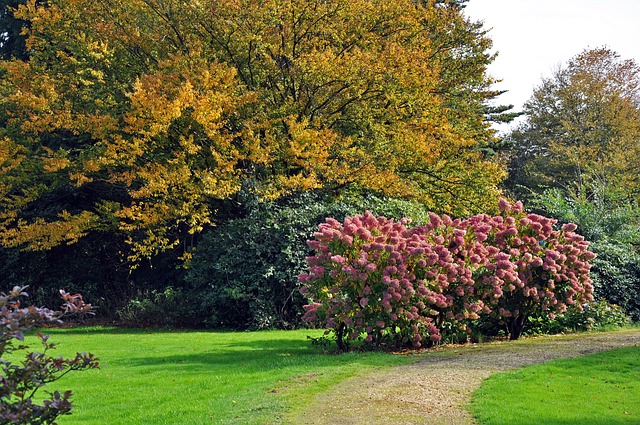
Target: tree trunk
[[340, 338], [515, 326]]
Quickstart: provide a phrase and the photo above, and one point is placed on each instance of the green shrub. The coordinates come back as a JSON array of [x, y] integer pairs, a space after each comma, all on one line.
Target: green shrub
[[616, 276], [599, 314], [244, 274], [596, 315], [613, 227], [168, 307]]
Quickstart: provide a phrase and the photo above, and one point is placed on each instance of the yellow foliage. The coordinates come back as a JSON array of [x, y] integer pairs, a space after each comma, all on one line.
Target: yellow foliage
[[42, 235], [157, 109]]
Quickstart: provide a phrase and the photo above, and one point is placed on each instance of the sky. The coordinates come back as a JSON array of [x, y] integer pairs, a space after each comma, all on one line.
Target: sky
[[534, 37]]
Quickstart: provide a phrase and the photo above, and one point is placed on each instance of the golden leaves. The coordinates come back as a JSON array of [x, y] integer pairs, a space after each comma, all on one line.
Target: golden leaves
[[42, 235], [54, 161], [173, 105]]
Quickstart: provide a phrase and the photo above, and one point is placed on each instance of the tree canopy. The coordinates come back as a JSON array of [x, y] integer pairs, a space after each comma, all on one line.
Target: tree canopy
[[136, 116], [582, 128]]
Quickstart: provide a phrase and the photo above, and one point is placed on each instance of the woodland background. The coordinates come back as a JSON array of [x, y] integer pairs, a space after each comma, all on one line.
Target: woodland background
[[169, 159]]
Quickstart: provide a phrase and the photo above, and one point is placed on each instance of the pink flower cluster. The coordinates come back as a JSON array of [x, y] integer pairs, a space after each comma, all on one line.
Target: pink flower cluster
[[375, 276]]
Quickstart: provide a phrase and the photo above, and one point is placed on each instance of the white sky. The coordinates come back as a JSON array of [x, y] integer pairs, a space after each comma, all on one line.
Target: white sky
[[534, 37]]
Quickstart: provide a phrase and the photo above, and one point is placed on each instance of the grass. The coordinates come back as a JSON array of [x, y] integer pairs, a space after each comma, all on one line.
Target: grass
[[164, 377], [601, 388]]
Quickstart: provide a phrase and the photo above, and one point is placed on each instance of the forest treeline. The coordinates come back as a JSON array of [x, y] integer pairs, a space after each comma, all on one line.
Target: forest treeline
[[169, 159]]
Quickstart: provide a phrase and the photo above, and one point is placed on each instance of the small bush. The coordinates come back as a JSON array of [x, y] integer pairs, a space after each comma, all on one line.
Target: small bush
[[21, 382], [599, 315], [595, 315], [169, 307]]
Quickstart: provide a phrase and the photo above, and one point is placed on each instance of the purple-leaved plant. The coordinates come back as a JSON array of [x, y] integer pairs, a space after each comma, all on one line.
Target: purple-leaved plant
[[19, 382]]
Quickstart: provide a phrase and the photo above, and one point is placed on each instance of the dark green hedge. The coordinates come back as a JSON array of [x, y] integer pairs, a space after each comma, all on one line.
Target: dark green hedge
[[244, 273]]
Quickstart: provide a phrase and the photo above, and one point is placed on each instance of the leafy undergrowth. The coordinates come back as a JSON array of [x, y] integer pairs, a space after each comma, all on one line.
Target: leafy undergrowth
[[602, 388], [165, 377]]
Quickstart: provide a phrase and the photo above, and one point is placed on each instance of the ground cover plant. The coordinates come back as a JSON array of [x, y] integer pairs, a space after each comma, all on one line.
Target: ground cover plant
[[168, 377], [601, 388]]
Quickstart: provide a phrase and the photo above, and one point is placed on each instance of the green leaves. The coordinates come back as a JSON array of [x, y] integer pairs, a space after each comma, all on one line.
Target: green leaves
[[582, 128]]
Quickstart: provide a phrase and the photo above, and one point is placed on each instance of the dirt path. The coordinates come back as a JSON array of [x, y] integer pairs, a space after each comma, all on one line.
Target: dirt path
[[436, 389]]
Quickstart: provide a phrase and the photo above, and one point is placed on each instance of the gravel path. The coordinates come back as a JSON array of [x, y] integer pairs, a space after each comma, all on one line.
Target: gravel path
[[436, 389]]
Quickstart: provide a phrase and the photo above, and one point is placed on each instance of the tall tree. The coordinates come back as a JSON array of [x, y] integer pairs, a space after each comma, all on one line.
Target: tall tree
[[582, 127], [135, 116]]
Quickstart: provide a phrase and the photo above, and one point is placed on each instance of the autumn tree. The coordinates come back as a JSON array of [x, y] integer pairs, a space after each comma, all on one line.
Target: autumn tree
[[91, 143], [582, 128], [134, 117]]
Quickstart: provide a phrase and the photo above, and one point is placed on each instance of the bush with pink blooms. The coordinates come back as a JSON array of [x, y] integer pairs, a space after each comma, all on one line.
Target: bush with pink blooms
[[378, 279], [530, 266]]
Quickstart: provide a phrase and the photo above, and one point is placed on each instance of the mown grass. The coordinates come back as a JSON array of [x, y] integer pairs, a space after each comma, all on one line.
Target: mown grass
[[164, 377], [602, 388]]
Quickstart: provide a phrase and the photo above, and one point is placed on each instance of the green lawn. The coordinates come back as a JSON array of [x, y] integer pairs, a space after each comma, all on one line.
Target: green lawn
[[602, 388], [165, 377]]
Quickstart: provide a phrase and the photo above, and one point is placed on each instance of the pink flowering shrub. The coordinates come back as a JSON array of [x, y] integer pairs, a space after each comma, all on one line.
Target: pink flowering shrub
[[376, 278], [529, 266]]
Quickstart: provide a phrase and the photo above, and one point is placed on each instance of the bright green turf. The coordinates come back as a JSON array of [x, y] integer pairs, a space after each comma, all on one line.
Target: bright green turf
[[602, 388], [163, 377]]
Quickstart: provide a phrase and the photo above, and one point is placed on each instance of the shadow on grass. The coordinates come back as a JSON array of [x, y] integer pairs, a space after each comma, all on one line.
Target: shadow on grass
[[206, 349], [257, 355], [116, 330]]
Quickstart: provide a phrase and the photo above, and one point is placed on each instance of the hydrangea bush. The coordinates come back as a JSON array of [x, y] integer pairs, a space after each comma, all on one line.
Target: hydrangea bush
[[377, 278], [530, 266]]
